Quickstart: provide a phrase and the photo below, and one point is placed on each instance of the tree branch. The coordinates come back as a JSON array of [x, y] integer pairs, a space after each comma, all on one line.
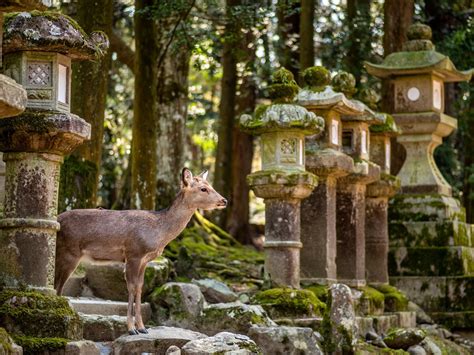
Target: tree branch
[[125, 54]]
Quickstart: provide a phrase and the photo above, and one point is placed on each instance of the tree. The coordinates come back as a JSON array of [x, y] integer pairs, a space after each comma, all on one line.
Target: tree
[[288, 30], [306, 34], [143, 155], [80, 173], [223, 171]]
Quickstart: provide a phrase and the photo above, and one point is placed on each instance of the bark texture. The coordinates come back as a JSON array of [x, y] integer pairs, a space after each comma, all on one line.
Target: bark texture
[[88, 96], [288, 30], [143, 156], [306, 34]]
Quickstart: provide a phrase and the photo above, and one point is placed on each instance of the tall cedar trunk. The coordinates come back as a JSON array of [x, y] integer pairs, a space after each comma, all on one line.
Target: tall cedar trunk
[[143, 155], [223, 170], [306, 34], [172, 92], [80, 173], [242, 150], [287, 48], [398, 16], [360, 39]]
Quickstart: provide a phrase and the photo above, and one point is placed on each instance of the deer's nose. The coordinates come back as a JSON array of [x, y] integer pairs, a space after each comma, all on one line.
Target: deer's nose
[[224, 202]]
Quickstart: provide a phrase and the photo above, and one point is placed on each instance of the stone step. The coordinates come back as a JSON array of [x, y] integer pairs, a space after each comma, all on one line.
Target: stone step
[[100, 328], [90, 305]]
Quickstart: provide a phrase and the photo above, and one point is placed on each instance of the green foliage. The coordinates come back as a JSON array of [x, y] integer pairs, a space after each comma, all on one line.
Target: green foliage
[[5, 341]]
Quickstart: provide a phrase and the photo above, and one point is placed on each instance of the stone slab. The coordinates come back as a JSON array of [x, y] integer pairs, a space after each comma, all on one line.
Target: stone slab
[[105, 307], [157, 341], [12, 97], [383, 323], [454, 320], [103, 328]]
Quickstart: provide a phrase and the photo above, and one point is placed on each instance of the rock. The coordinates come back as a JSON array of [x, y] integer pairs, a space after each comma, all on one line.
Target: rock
[[107, 281], [339, 323], [430, 347], [421, 316], [157, 341], [404, 338], [286, 340], [83, 347], [416, 350], [156, 274], [375, 339], [173, 350], [222, 343], [177, 304], [103, 328], [7, 346], [233, 317], [215, 291]]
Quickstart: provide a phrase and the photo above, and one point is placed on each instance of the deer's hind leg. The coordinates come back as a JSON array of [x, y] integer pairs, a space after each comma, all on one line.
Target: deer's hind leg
[[66, 263], [132, 271]]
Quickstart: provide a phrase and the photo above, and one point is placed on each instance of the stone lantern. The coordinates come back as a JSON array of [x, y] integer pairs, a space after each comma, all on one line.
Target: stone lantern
[[38, 48], [324, 158], [351, 189], [283, 181], [378, 193]]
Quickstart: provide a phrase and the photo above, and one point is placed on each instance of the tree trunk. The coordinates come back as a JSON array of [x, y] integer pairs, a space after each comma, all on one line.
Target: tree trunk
[[143, 155], [306, 34], [80, 174], [360, 39], [242, 150], [172, 95], [223, 171], [398, 16], [287, 48]]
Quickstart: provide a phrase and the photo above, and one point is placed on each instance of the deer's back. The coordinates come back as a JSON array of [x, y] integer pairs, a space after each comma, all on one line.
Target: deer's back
[[97, 231]]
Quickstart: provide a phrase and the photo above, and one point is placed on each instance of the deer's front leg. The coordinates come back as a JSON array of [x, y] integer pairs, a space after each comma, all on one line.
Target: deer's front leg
[[138, 301], [132, 270]]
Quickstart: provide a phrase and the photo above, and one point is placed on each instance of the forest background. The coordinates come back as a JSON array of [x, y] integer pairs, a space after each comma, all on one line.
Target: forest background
[[179, 73]]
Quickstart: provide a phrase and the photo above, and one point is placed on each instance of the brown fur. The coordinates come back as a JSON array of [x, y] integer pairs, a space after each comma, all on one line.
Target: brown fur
[[134, 237]]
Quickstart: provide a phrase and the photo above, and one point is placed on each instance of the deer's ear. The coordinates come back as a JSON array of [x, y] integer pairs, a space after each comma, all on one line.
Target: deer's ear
[[186, 177], [204, 174]]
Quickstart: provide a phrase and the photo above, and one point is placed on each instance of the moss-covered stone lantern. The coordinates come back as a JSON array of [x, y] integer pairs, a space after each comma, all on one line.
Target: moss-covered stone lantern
[[430, 243], [351, 189], [38, 48], [282, 181], [378, 193], [324, 158]]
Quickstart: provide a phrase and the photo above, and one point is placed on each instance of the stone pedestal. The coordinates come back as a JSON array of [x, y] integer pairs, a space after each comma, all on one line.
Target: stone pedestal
[[318, 220], [34, 144], [350, 226], [283, 193], [376, 228]]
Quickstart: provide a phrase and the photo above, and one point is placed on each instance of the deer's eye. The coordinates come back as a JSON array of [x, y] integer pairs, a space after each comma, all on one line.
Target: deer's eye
[[203, 189]]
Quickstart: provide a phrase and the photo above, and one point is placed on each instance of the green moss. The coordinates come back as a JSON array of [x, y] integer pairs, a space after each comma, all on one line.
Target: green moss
[[365, 348], [316, 78], [32, 345], [344, 82], [419, 31], [369, 96], [5, 341], [34, 314], [395, 300], [283, 88], [320, 291], [260, 110], [388, 126], [374, 298], [284, 302]]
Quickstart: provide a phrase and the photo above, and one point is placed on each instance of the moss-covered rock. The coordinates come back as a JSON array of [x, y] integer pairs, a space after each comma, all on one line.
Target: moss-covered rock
[[434, 344], [29, 313], [371, 301], [6, 343], [404, 338], [363, 348], [394, 299], [286, 302], [283, 88], [316, 78], [35, 345], [320, 291], [344, 82]]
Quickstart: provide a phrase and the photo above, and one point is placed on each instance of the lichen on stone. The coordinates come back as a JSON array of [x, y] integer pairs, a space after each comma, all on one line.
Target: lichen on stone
[[283, 88], [344, 82], [389, 126]]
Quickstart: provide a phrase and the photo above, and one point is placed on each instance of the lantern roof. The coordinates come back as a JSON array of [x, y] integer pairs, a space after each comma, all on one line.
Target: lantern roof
[[283, 113], [50, 31], [418, 57], [319, 94]]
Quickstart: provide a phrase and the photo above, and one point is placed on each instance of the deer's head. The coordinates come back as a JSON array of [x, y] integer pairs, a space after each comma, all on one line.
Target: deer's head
[[199, 193]]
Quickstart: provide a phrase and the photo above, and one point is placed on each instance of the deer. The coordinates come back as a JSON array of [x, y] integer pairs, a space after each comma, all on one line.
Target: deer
[[134, 237]]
